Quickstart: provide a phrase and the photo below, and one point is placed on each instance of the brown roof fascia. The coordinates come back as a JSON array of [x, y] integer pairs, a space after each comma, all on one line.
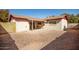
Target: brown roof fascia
[[56, 18], [27, 18]]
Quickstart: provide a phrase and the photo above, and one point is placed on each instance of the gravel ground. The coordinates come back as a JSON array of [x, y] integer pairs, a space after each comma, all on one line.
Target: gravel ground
[[41, 40], [31, 40]]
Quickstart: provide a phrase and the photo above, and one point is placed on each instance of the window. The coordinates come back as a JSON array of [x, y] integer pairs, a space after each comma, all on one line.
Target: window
[[52, 22]]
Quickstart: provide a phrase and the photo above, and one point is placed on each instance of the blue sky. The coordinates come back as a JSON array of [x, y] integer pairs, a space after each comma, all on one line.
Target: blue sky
[[42, 13]]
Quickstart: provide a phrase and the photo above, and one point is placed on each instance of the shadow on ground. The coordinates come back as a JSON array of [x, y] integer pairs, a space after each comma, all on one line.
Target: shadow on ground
[[6, 43], [67, 41]]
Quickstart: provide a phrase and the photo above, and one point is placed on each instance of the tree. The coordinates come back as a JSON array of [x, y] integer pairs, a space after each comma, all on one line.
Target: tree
[[50, 16], [77, 15], [66, 14], [71, 17], [4, 15], [74, 18]]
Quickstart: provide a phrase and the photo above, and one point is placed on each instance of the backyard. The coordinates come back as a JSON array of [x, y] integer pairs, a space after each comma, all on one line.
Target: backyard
[[36, 39], [40, 39]]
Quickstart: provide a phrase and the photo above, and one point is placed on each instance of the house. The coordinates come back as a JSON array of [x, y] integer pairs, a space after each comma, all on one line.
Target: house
[[56, 22], [25, 23]]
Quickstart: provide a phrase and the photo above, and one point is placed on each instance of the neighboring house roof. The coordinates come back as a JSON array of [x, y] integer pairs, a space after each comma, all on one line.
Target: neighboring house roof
[[26, 18], [56, 18]]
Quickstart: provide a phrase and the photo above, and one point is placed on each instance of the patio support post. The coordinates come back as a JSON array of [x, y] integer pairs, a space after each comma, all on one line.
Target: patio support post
[[8, 16], [35, 25], [32, 24]]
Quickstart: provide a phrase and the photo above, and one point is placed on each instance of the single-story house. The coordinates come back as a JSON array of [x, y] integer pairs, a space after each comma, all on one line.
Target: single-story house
[[26, 23], [56, 22]]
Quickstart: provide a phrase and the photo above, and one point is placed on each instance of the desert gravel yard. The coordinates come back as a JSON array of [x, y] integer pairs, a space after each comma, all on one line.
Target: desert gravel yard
[[40, 40], [36, 39]]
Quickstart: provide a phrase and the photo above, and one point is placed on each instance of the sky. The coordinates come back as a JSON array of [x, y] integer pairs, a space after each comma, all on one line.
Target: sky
[[42, 13]]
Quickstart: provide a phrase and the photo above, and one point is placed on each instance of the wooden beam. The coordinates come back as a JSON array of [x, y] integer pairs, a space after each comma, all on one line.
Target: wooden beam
[[35, 25], [32, 24]]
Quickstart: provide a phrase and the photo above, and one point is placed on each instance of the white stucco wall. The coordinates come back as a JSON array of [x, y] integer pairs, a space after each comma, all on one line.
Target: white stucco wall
[[13, 20], [59, 26], [63, 24], [53, 26], [22, 26]]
